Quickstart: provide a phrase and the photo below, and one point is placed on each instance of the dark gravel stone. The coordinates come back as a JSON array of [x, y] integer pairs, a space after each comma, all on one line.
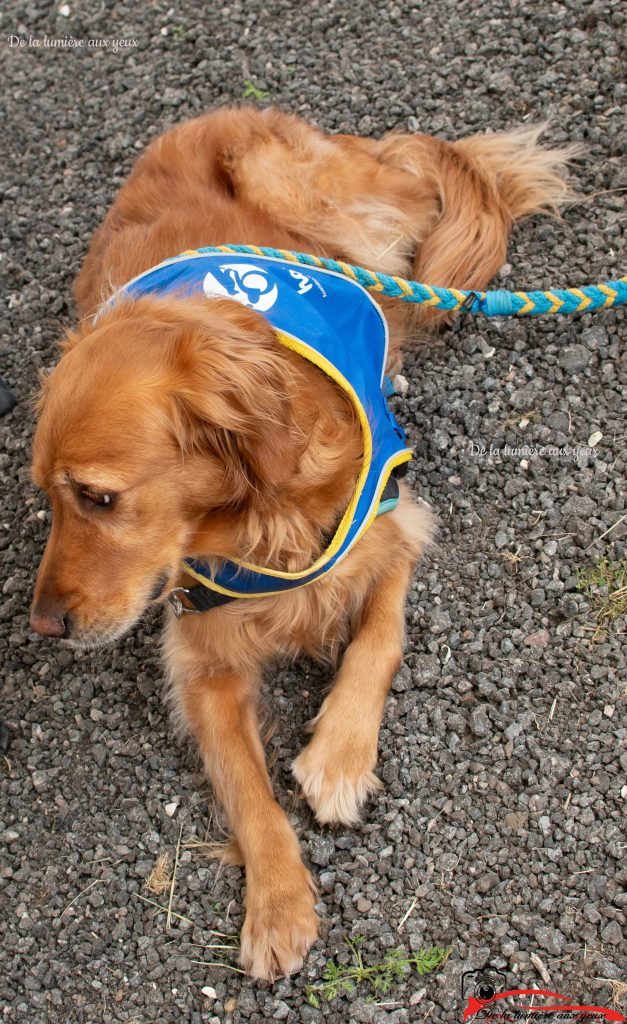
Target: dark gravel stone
[[579, 505], [550, 939], [574, 358], [479, 721], [321, 850], [5, 738], [7, 399], [613, 933]]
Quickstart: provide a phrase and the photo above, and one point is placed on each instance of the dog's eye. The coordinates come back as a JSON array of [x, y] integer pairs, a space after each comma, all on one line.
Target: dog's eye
[[99, 499]]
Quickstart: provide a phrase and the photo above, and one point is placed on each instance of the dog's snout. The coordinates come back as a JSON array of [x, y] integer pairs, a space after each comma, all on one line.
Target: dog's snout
[[48, 621]]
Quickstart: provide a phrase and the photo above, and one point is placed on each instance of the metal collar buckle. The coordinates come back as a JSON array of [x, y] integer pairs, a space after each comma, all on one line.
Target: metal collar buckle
[[177, 605]]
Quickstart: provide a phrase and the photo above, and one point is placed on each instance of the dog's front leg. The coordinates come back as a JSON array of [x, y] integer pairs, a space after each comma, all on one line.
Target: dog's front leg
[[281, 922], [336, 769]]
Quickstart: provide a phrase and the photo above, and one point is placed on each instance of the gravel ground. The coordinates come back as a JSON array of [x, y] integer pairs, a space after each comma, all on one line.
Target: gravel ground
[[502, 751]]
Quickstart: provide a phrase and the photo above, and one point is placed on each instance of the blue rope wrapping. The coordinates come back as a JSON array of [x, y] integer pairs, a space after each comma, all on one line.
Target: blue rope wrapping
[[490, 304]]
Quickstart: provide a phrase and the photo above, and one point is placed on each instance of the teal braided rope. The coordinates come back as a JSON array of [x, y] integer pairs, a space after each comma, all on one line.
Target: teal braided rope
[[491, 304]]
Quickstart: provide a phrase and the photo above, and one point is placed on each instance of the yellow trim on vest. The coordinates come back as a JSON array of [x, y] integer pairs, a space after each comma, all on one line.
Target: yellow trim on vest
[[304, 350], [398, 460]]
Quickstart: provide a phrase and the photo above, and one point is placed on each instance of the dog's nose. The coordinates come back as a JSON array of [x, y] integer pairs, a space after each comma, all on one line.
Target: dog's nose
[[47, 623]]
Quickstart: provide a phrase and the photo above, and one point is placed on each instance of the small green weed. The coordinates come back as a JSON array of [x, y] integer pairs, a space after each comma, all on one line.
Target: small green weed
[[253, 92], [378, 978], [178, 31], [606, 583]]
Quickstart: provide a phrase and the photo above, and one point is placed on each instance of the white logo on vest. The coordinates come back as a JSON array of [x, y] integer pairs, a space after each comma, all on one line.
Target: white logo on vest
[[304, 284], [243, 282]]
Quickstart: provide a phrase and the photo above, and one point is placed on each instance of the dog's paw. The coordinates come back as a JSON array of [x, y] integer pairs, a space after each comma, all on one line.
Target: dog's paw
[[280, 927], [337, 781]]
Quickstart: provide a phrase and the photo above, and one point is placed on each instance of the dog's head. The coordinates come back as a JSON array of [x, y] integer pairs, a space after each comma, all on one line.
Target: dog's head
[[161, 416]]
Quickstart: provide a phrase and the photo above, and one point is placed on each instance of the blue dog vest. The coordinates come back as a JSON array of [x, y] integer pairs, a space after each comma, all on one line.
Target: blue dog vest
[[335, 324]]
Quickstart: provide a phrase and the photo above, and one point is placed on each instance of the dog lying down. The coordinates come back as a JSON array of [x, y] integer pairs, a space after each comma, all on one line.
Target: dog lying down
[[180, 424]]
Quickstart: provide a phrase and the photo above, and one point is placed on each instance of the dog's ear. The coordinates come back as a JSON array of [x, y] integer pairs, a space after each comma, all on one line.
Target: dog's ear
[[232, 392]]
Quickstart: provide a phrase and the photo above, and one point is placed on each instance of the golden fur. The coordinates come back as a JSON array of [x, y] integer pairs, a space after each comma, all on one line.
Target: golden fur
[[179, 427]]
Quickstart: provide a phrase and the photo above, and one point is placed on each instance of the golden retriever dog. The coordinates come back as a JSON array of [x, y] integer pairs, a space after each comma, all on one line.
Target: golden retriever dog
[[178, 427]]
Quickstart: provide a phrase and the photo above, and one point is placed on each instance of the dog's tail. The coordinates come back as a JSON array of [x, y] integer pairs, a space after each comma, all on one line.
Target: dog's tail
[[528, 178], [484, 184]]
